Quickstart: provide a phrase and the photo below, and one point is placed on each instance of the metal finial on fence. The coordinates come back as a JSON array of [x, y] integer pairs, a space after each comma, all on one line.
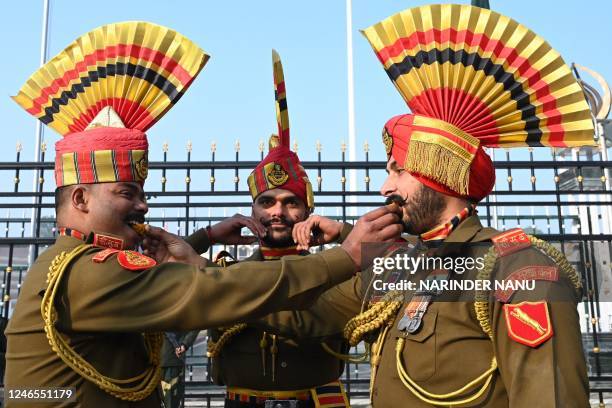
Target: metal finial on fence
[[318, 146], [213, 146], [19, 147], [165, 147], [43, 147], [343, 146], [189, 146], [261, 146], [366, 147], [237, 146]]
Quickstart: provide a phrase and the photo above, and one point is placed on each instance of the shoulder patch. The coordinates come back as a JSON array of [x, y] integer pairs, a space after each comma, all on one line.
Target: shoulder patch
[[511, 241], [528, 322], [104, 255], [526, 273], [135, 261]]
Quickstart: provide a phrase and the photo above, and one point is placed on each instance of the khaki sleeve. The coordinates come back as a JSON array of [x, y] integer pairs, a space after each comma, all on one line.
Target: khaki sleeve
[[346, 230], [326, 318], [552, 374], [177, 297], [199, 241]]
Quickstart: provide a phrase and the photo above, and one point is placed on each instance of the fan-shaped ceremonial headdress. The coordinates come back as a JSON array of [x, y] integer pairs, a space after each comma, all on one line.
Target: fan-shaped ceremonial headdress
[[472, 79], [104, 91]]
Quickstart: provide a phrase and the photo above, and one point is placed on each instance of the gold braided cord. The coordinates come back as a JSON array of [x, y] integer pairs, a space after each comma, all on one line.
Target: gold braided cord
[[565, 267], [146, 382], [432, 398], [481, 298], [376, 351], [374, 318], [214, 348], [349, 358]]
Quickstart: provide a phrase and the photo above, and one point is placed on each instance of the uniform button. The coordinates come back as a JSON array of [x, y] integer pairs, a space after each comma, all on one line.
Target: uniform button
[[284, 364]]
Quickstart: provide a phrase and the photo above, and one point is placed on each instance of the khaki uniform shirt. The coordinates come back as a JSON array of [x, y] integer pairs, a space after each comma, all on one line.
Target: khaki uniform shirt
[[451, 348], [103, 309], [298, 365]]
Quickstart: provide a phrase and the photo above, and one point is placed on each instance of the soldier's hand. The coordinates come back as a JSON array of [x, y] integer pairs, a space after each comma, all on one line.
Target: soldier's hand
[[316, 230], [380, 225], [166, 247], [229, 231]]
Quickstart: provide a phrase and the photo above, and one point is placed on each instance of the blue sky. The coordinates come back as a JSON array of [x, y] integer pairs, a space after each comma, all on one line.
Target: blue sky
[[233, 96]]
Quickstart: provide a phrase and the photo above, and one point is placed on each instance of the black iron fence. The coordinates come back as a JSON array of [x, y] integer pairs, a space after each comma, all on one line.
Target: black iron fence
[[563, 196]]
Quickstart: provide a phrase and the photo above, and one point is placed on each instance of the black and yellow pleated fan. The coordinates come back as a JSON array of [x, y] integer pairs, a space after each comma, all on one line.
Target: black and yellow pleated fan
[[483, 73], [139, 69]]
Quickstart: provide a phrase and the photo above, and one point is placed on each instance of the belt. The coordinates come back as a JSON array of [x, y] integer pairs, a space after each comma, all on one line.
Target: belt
[[328, 395], [259, 397]]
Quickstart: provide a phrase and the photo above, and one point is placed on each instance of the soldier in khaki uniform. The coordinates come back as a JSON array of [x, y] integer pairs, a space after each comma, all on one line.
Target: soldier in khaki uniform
[[88, 299], [257, 366], [472, 79]]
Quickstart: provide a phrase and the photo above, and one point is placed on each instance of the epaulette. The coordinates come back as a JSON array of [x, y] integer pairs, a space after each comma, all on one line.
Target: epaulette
[[510, 241]]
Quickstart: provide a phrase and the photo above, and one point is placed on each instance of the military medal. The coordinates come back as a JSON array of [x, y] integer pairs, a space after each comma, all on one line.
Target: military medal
[[415, 310]]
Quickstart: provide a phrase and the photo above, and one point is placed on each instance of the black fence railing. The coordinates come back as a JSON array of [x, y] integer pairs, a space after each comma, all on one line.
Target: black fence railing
[[563, 196]]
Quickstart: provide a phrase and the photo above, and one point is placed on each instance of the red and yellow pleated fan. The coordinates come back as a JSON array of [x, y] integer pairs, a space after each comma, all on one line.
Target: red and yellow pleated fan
[[473, 78], [139, 69]]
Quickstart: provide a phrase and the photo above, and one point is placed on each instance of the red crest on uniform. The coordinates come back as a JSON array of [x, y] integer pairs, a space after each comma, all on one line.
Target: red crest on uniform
[[528, 322], [135, 261]]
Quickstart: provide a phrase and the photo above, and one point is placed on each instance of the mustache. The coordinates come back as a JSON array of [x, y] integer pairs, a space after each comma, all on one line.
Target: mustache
[[267, 223], [137, 217], [395, 198]]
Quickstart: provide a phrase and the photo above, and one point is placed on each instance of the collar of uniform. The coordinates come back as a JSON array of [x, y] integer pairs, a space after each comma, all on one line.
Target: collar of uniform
[[272, 254], [466, 230], [104, 240], [442, 231]]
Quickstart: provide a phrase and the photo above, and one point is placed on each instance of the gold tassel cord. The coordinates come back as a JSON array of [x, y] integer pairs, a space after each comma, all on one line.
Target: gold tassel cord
[[214, 348], [146, 382], [440, 164]]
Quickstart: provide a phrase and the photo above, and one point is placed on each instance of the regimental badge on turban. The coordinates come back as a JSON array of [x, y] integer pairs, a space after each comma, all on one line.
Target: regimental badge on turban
[[281, 168], [473, 78], [104, 91]]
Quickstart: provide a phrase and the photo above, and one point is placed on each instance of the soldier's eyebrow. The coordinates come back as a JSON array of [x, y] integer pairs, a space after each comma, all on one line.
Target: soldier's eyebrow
[[391, 167], [135, 190]]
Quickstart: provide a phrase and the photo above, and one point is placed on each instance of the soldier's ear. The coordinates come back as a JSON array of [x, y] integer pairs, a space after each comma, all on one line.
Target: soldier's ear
[[79, 198]]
